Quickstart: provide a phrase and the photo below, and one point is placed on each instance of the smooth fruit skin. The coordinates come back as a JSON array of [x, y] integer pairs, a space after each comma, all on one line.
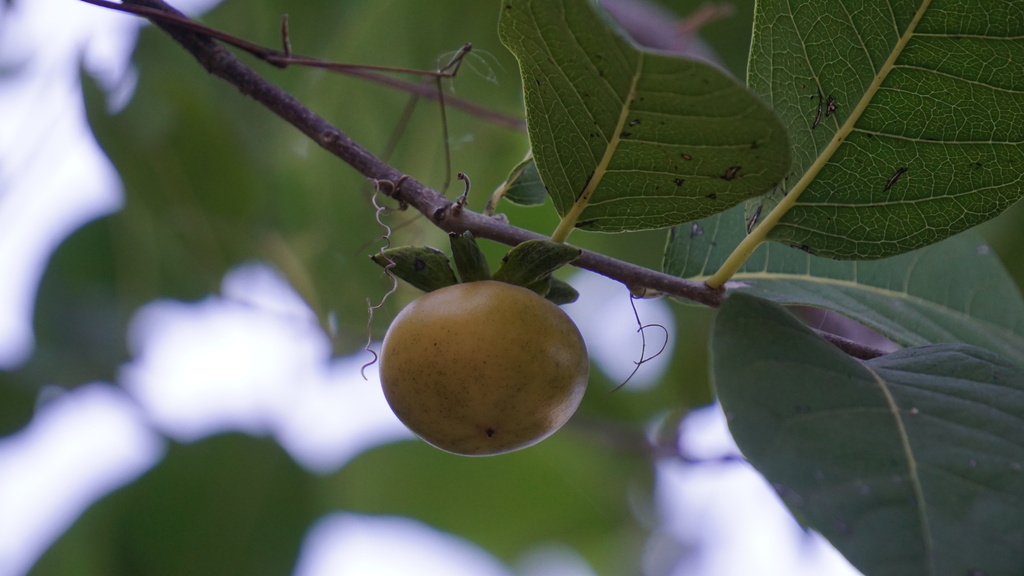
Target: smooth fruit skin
[[483, 367]]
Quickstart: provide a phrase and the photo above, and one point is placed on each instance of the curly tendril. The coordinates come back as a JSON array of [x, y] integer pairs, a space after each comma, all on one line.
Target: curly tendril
[[386, 237]]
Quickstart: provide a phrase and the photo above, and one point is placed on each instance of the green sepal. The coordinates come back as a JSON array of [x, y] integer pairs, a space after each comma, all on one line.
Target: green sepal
[[469, 260], [561, 292], [533, 261], [424, 267], [557, 291], [541, 286]]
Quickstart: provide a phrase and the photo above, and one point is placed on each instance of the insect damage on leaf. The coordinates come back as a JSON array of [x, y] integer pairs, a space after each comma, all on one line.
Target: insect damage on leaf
[[892, 179]]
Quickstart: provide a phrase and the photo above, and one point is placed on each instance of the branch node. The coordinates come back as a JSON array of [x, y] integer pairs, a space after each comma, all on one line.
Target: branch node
[[441, 213], [720, 290], [329, 138], [392, 189]]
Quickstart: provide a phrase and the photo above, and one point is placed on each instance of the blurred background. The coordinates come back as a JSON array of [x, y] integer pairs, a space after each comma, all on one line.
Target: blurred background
[[183, 310]]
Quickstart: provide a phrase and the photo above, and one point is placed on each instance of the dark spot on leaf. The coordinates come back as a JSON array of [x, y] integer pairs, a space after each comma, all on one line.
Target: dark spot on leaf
[[803, 247], [585, 223], [892, 179], [712, 196], [634, 122], [754, 145], [686, 157], [731, 172], [976, 164], [585, 184], [625, 134], [679, 181], [753, 219], [870, 135], [490, 432], [418, 264]]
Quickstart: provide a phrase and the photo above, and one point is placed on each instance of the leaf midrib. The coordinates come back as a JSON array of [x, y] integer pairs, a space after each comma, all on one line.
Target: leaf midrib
[[746, 248], [568, 222], [915, 480]]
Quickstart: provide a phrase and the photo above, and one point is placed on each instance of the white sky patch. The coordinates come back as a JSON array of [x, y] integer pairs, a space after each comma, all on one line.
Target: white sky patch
[[79, 447], [553, 560], [729, 518], [255, 360], [53, 175], [346, 544], [609, 327], [332, 419], [220, 364]]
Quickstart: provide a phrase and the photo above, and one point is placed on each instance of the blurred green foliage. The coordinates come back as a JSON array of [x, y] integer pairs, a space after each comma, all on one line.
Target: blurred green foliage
[[213, 180]]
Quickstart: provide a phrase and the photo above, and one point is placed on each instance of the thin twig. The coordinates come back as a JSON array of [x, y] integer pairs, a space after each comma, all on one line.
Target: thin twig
[[851, 347], [166, 14], [218, 61]]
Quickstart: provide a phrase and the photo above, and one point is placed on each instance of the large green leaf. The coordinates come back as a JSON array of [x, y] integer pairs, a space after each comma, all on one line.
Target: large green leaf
[[627, 139], [910, 464], [905, 118], [953, 291]]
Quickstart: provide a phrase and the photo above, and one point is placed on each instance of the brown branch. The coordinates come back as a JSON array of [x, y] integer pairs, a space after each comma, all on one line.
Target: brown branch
[[447, 215]]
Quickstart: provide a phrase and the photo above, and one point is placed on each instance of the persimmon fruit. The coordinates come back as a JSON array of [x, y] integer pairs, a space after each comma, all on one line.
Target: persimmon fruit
[[483, 367]]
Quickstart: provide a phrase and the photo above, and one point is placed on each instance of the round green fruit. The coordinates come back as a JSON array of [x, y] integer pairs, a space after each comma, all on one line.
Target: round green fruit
[[483, 367]]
